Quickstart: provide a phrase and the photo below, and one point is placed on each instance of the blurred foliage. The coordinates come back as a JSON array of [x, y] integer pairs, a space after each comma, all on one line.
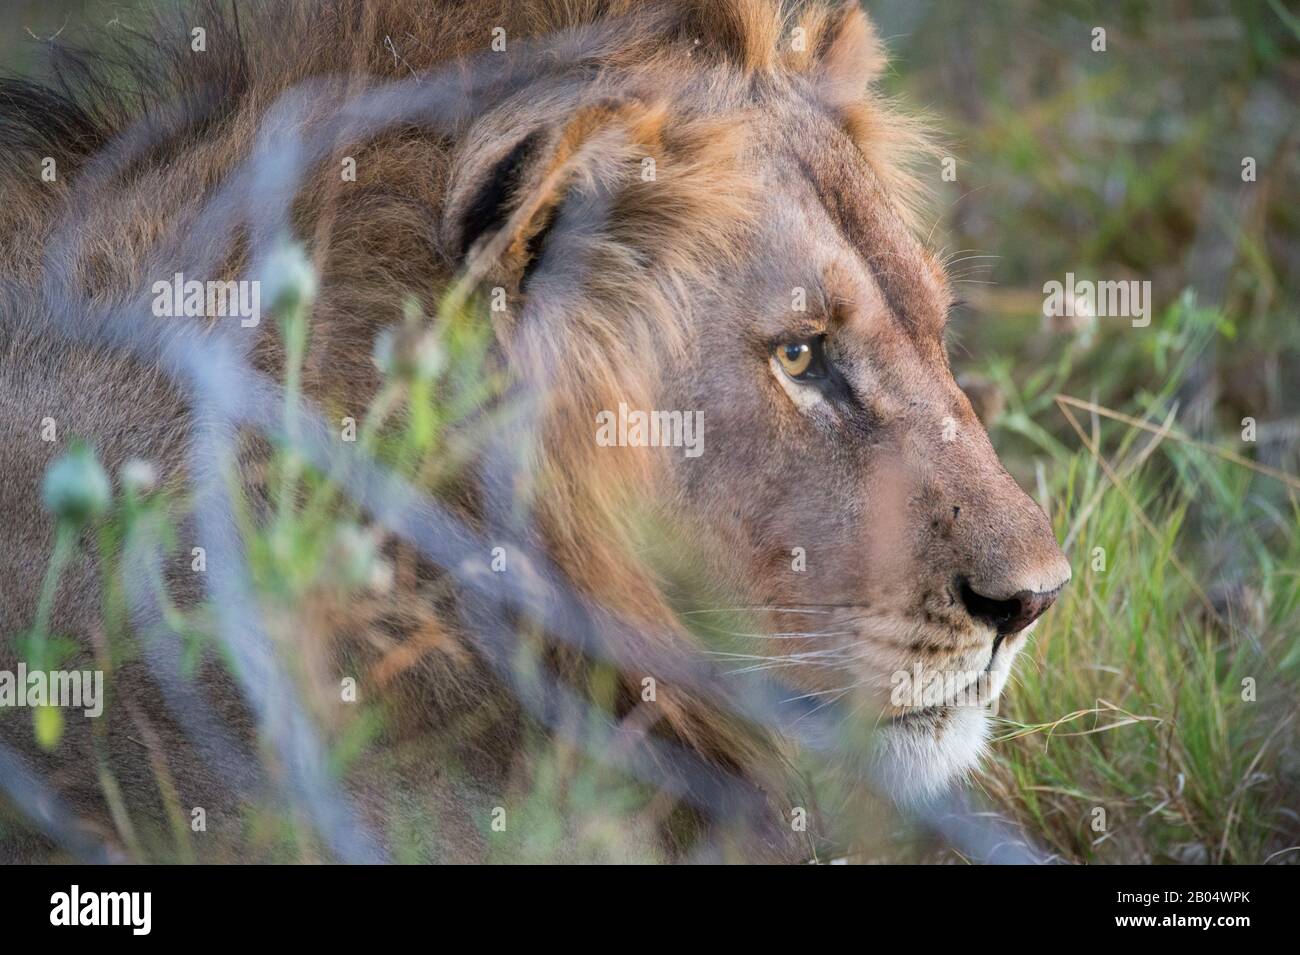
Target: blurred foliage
[[1123, 164]]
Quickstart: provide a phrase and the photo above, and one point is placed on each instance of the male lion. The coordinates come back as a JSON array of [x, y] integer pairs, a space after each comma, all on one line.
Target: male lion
[[690, 207]]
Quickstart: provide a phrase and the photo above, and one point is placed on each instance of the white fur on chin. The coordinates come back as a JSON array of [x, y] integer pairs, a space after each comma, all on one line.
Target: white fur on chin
[[923, 756]]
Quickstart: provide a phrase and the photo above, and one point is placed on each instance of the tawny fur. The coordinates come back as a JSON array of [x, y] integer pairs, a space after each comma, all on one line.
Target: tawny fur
[[691, 84]]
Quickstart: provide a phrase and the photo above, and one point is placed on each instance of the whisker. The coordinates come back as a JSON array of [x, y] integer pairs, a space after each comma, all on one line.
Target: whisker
[[839, 690], [777, 662], [796, 657], [784, 635], [687, 613]]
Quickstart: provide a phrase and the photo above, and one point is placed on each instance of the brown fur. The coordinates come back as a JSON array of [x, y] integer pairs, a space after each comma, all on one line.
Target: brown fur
[[744, 128]]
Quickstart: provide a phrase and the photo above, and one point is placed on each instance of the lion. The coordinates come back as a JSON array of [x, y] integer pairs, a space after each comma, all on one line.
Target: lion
[[691, 208]]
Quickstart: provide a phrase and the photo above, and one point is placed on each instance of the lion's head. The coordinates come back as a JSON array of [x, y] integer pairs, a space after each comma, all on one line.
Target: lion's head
[[716, 232], [693, 224]]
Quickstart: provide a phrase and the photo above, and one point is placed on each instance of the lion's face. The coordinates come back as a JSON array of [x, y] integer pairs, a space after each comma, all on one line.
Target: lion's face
[[762, 277], [845, 478]]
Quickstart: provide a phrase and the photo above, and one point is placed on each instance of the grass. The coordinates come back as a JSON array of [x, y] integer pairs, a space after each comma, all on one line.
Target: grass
[[1154, 719], [1127, 165], [1133, 700]]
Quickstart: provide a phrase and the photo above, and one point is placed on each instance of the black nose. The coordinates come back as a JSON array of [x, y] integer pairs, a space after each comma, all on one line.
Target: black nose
[[1009, 615]]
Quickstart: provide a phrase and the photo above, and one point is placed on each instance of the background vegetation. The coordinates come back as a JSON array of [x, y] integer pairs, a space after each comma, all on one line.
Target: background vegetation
[[1135, 695], [1127, 164]]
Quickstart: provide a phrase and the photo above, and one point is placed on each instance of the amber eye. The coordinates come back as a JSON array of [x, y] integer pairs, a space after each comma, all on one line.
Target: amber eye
[[795, 358], [802, 360]]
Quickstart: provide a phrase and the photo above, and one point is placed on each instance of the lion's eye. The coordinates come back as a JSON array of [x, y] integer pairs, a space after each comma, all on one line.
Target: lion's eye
[[802, 360]]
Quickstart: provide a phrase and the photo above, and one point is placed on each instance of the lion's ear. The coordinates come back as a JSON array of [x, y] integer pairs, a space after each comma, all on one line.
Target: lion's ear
[[507, 189], [497, 192], [849, 55]]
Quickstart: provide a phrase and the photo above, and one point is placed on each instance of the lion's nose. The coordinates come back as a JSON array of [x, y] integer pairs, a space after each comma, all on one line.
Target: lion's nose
[[1007, 615]]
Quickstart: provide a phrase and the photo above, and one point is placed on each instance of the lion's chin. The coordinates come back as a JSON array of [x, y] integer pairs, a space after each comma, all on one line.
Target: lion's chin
[[919, 757]]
